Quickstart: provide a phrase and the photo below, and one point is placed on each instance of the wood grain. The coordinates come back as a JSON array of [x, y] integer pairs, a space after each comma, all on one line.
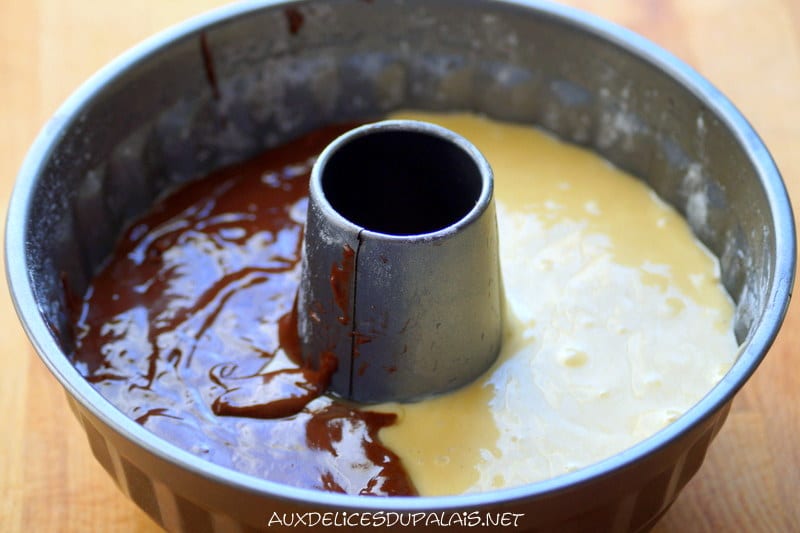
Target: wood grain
[[748, 48]]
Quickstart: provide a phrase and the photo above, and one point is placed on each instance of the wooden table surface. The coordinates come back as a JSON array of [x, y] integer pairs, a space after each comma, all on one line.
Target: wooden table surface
[[750, 49]]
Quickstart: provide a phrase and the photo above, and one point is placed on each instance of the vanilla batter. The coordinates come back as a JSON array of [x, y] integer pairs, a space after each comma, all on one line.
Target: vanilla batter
[[616, 323]]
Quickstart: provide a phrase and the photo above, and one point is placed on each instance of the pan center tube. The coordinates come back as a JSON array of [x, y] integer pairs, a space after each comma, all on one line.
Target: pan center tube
[[400, 274]]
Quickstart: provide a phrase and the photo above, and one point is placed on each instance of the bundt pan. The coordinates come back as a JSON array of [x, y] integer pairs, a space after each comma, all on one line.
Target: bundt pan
[[223, 86]]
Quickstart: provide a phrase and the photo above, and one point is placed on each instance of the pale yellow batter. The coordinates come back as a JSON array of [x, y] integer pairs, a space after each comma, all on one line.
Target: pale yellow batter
[[616, 323]]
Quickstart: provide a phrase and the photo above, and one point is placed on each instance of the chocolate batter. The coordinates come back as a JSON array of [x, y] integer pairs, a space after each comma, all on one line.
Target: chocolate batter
[[189, 330]]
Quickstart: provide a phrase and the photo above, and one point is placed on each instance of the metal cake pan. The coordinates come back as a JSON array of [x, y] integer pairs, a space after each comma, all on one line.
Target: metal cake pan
[[223, 86]]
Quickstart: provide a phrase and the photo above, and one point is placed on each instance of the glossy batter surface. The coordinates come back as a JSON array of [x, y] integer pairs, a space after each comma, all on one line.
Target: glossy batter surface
[[188, 330], [616, 323]]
